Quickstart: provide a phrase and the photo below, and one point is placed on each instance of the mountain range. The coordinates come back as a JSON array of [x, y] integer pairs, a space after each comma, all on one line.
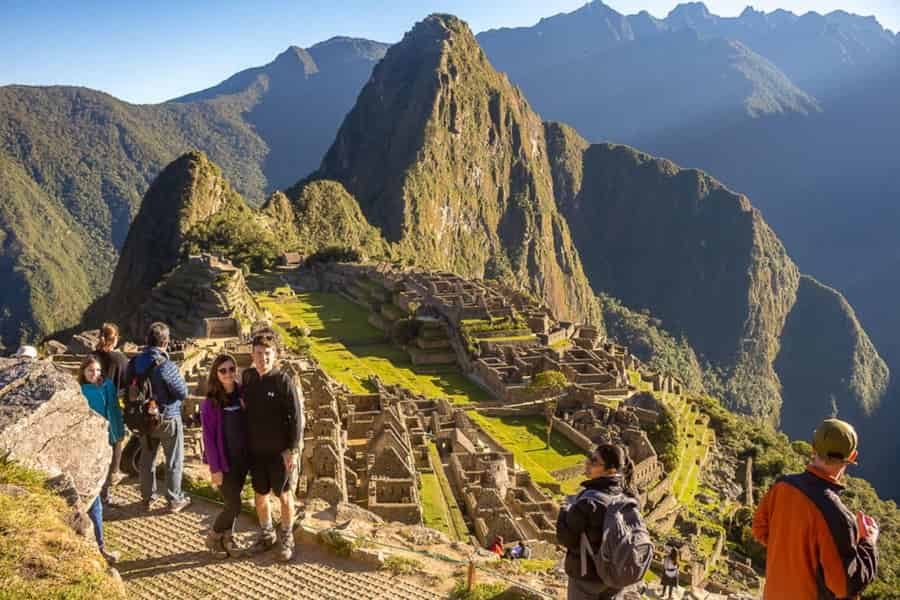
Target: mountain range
[[442, 162]]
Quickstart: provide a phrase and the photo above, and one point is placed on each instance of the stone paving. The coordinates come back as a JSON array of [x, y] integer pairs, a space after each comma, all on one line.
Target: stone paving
[[163, 556]]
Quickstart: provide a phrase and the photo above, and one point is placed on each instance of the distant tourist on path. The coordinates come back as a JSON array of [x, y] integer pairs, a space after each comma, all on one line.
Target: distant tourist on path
[[225, 449], [101, 397], [274, 404], [169, 392], [816, 547], [581, 524], [114, 365], [519, 551], [497, 546], [670, 573]]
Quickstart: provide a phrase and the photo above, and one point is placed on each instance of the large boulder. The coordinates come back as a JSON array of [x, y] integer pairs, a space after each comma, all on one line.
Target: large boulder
[[46, 424]]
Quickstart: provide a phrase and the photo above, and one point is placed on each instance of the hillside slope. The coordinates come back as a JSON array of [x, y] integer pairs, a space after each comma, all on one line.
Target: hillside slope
[[93, 156], [450, 162], [701, 259]]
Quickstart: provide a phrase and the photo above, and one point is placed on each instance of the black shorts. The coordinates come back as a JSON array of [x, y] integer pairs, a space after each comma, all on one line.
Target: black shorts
[[269, 475]]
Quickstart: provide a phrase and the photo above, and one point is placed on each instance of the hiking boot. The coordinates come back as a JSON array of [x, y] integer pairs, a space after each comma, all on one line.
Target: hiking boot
[[110, 557], [214, 543], [286, 544], [179, 505], [148, 504], [231, 547], [265, 539]]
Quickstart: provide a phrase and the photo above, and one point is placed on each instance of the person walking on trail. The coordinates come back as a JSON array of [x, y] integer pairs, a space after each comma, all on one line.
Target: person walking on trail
[[169, 392], [101, 396], [815, 546], [274, 405], [582, 527], [670, 573], [114, 365], [224, 425]]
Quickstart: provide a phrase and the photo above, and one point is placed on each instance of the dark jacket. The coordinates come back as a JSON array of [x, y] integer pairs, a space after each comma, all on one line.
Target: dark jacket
[[115, 367], [584, 515], [169, 386], [216, 444], [812, 540], [274, 404]]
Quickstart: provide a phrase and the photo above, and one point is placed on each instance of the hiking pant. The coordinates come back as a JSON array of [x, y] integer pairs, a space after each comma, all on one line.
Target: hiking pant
[[580, 589], [232, 484], [95, 514], [169, 434], [114, 465]]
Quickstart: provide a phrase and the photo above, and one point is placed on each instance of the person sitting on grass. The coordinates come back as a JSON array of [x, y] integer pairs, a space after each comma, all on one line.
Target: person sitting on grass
[[101, 397], [225, 449]]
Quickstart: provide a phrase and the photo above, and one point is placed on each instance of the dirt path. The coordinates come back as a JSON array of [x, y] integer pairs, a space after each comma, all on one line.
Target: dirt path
[[163, 556]]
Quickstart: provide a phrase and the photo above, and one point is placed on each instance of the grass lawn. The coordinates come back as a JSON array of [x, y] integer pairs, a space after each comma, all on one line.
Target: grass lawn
[[350, 349], [434, 509], [451, 517], [526, 438]]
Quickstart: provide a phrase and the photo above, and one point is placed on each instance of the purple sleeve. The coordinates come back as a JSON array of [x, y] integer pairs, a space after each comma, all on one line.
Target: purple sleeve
[[209, 421]]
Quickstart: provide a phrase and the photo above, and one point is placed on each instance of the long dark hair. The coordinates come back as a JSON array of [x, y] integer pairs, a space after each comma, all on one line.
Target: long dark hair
[[89, 359], [214, 389], [109, 335], [616, 457]]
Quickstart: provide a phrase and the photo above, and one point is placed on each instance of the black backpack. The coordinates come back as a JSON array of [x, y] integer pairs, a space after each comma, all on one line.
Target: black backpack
[[625, 552], [141, 410]]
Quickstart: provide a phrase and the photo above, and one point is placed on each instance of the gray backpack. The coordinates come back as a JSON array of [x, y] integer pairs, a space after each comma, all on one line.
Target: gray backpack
[[625, 550]]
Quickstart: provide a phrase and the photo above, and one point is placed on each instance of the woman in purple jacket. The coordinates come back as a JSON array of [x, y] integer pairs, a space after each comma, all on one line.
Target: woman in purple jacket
[[225, 448]]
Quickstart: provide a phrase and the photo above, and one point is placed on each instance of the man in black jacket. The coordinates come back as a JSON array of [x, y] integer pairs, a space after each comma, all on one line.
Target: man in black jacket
[[605, 470], [274, 405]]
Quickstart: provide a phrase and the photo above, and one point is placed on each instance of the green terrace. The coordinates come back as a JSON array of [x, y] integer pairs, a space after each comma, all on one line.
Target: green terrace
[[350, 349], [526, 438]]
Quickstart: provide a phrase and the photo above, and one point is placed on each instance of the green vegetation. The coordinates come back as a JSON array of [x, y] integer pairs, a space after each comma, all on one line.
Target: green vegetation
[[237, 234], [665, 439], [549, 382], [351, 350], [402, 565], [434, 509], [526, 438], [483, 591], [645, 338], [456, 526], [492, 213], [40, 555]]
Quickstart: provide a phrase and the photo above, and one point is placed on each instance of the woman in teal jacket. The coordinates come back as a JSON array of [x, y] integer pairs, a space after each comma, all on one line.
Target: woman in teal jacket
[[102, 397]]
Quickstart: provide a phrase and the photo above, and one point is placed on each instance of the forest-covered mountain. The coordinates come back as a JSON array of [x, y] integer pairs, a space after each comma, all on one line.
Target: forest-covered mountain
[[79, 161], [799, 112]]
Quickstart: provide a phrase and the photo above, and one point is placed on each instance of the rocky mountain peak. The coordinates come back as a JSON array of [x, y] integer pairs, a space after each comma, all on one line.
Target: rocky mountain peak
[[188, 191], [688, 13], [449, 161], [293, 59]]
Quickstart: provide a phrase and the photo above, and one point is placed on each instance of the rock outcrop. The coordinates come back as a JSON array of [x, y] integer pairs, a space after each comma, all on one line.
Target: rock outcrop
[[46, 424], [447, 158]]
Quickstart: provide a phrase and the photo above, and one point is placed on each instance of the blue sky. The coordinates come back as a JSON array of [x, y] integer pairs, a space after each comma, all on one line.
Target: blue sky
[[151, 51]]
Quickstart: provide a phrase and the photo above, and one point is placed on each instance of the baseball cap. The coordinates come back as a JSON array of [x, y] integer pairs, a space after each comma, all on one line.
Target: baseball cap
[[835, 439], [26, 352]]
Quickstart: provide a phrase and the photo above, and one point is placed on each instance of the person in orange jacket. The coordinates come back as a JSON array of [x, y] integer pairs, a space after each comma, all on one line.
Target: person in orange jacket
[[815, 547]]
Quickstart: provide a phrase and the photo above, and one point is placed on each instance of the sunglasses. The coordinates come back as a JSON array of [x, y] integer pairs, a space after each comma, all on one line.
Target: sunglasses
[[224, 370]]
